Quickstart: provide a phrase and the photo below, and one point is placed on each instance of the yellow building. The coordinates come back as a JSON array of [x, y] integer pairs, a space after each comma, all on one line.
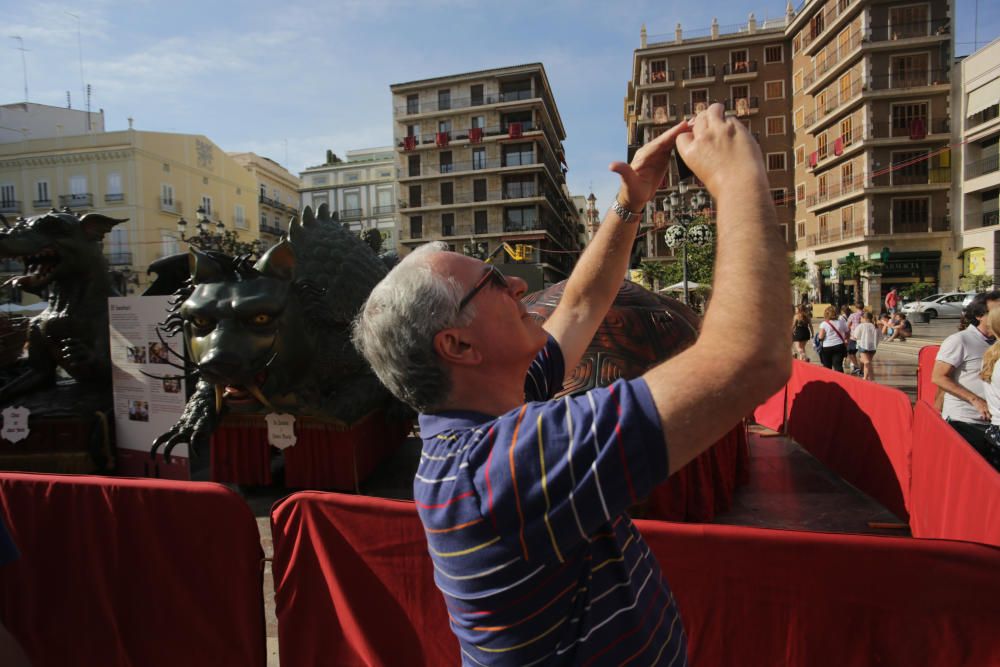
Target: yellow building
[[277, 194], [151, 178]]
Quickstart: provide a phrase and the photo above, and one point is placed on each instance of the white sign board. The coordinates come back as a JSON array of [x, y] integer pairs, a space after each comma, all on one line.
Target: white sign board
[[15, 423], [145, 407], [280, 429]]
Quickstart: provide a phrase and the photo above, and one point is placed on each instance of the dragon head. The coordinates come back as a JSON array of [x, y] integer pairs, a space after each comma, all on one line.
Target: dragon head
[[54, 247]]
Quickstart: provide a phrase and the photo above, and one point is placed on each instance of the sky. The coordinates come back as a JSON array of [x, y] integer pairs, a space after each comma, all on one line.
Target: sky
[[291, 80]]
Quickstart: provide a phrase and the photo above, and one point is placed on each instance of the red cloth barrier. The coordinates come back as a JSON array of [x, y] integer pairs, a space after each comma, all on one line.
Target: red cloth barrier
[[771, 413], [747, 596], [926, 389], [131, 572], [705, 486], [955, 493]]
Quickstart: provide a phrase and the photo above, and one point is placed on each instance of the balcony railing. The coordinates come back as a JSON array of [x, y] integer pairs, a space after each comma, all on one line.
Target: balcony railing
[[529, 226], [170, 206], [986, 115], [10, 206], [119, 258], [351, 214], [929, 176], [985, 166], [742, 105], [938, 224], [519, 190], [80, 200], [661, 113], [833, 59], [435, 138], [661, 76], [460, 198], [427, 106], [382, 210], [913, 79], [982, 219], [270, 229], [834, 101], [472, 165], [742, 67], [842, 233], [115, 198], [829, 16], [42, 203], [925, 28], [911, 129], [834, 191], [707, 72]]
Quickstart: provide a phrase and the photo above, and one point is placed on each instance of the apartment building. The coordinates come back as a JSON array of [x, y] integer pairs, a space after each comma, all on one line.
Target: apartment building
[[746, 70], [481, 164], [151, 178], [361, 190], [277, 194], [857, 136], [977, 190], [23, 121]]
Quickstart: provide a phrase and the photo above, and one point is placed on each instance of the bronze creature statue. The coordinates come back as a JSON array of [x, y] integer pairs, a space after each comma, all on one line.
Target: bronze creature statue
[[274, 336], [62, 257]]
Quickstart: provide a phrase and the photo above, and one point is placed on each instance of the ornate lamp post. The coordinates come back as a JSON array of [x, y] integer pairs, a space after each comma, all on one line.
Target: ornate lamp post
[[684, 209], [217, 238], [478, 250]]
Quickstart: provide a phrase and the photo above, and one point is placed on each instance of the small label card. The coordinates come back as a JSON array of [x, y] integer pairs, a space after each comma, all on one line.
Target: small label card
[[281, 429], [15, 423]]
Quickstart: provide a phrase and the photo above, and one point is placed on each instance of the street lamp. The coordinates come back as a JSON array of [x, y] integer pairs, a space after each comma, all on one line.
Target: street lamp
[[684, 209], [216, 237], [478, 250]]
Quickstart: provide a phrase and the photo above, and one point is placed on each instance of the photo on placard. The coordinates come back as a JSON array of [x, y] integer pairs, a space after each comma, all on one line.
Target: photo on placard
[[138, 411], [158, 353], [172, 385]]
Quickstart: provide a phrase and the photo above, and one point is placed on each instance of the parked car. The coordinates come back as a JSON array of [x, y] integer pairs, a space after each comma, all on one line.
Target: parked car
[[947, 305]]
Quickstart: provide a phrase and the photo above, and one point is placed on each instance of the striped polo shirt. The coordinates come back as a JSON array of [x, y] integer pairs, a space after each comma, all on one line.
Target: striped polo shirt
[[525, 521]]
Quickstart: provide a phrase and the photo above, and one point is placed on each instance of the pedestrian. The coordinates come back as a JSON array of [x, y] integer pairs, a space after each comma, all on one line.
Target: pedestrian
[[891, 301], [957, 371], [991, 391], [902, 329], [853, 319], [802, 331], [885, 325], [833, 334], [524, 499], [865, 336]]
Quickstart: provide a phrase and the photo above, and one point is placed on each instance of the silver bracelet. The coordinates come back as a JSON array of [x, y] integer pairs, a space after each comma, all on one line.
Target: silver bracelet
[[623, 213]]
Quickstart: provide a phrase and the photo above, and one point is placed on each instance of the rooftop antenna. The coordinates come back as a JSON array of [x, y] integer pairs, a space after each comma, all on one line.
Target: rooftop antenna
[[69, 101], [286, 153], [24, 64], [79, 49], [88, 107]]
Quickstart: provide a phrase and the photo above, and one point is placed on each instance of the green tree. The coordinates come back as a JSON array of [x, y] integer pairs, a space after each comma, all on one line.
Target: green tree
[[976, 282], [373, 238], [653, 273], [701, 265], [854, 267], [918, 291], [799, 274]]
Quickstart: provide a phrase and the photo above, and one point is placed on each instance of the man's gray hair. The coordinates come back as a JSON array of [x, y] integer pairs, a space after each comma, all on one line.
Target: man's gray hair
[[396, 327]]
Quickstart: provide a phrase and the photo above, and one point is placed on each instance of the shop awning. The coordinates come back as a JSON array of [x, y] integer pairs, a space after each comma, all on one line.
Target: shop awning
[[983, 97]]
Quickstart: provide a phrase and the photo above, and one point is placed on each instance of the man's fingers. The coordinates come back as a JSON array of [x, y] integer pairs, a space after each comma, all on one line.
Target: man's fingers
[[624, 169]]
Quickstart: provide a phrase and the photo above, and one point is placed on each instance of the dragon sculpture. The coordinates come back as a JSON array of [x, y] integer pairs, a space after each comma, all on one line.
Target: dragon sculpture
[[274, 336], [62, 255]]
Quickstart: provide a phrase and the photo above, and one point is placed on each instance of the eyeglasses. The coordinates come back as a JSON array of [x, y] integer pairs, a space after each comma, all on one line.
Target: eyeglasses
[[492, 276]]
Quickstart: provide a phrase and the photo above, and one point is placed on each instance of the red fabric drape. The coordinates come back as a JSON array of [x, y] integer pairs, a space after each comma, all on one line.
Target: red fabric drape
[[705, 486], [926, 389], [354, 586], [771, 413], [131, 572], [955, 493], [240, 453]]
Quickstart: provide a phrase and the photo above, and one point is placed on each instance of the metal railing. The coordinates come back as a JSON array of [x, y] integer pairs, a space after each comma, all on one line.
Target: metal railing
[[891, 32], [833, 59], [701, 73], [736, 104], [982, 219], [670, 110], [85, 199], [42, 203], [471, 165], [841, 233], [927, 176], [914, 79], [119, 258], [464, 134], [460, 198], [833, 102], [269, 229], [351, 214], [829, 16], [934, 224], [10, 206], [984, 116], [114, 198], [463, 102], [663, 76], [520, 190], [890, 130], [382, 210], [170, 206], [985, 166], [742, 67], [834, 191]]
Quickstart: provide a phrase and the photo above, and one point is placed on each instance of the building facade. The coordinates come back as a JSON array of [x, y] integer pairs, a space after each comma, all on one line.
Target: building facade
[[23, 121], [151, 178], [277, 194], [977, 195], [850, 101], [481, 167], [361, 190]]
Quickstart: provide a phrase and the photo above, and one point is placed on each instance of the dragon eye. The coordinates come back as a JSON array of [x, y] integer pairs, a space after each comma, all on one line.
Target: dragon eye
[[261, 319], [201, 322]]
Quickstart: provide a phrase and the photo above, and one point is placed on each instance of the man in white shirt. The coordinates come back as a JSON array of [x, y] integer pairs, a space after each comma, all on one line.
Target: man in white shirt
[[957, 367]]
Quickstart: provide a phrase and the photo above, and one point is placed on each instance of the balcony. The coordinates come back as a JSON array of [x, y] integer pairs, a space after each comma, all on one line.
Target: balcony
[[659, 115], [744, 70], [660, 79], [833, 103], [428, 201], [523, 226], [743, 106], [351, 214], [983, 219], [835, 191], [118, 258], [453, 103], [473, 165], [846, 232], [10, 206], [911, 130], [916, 29], [520, 190], [42, 203], [269, 229], [116, 198], [938, 224], [913, 79], [834, 59], [981, 167], [473, 135], [827, 24], [698, 76], [85, 200], [929, 176], [383, 210], [170, 206], [984, 116]]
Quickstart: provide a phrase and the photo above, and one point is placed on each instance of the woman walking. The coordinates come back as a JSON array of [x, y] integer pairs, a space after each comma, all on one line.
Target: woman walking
[[833, 332], [991, 390], [802, 331], [866, 336]]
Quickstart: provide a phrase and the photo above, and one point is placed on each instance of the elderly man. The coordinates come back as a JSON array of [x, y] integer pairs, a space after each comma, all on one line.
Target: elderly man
[[523, 498]]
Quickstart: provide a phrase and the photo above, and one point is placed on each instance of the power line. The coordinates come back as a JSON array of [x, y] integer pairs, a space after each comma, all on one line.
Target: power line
[[24, 63]]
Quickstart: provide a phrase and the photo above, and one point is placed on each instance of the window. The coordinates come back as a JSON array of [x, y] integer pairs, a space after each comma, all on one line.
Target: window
[[118, 245], [518, 154], [515, 90], [907, 71], [206, 204], [166, 196], [42, 189], [821, 146], [479, 158], [447, 224], [913, 212], [821, 186], [352, 203], [413, 165], [775, 125], [7, 195], [698, 66], [816, 25], [739, 61], [910, 168], [800, 154], [480, 226], [774, 54], [476, 95], [447, 193], [909, 21], [413, 131], [520, 218], [263, 216], [775, 161], [847, 177], [847, 219], [796, 44], [415, 195], [845, 90], [416, 226], [478, 121], [444, 162], [800, 192], [240, 217], [517, 187], [797, 81], [114, 184], [799, 119], [658, 71], [413, 103], [479, 189], [444, 99], [699, 100], [384, 199], [444, 126], [78, 185], [168, 244], [846, 131], [904, 115], [774, 90], [800, 230], [824, 227], [778, 196]]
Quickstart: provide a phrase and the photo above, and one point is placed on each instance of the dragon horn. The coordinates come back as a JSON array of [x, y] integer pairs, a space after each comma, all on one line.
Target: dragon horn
[[218, 399]]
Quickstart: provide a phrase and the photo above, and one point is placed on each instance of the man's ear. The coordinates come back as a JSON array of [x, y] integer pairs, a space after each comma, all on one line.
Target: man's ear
[[453, 346]]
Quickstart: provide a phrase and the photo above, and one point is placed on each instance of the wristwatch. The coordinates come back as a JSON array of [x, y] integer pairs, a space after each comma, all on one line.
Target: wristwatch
[[623, 213]]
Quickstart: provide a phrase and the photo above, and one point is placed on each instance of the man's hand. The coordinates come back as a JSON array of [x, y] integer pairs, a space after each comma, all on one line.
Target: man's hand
[[722, 153], [981, 407], [641, 178]]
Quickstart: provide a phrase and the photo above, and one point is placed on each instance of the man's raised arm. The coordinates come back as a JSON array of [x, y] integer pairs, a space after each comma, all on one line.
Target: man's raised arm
[[598, 274], [703, 392]]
